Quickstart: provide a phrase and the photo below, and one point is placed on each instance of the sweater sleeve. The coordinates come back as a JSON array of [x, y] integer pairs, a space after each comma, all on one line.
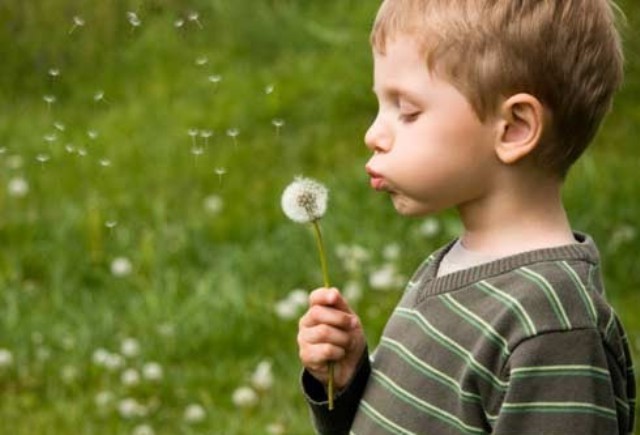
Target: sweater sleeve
[[563, 382], [338, 420]]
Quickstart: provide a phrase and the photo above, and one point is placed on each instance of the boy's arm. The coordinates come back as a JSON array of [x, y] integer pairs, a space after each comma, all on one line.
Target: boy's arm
[[338, 420], [565, 382]]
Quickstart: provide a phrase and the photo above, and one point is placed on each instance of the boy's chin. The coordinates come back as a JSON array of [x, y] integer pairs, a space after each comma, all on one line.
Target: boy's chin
[[407, 207]]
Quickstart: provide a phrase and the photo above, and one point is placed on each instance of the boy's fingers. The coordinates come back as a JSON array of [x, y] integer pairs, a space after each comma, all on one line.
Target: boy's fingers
[[328, 315], [330, 297], [323, 334]]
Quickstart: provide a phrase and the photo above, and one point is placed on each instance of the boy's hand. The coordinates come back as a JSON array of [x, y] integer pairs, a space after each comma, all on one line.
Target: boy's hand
[[330, 331]]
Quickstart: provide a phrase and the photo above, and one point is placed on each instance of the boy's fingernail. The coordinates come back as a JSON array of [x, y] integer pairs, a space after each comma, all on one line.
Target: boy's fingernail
[[354, 322]]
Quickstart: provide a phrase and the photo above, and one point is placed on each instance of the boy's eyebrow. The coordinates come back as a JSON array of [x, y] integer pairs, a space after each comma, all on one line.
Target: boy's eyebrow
[[394, 92]]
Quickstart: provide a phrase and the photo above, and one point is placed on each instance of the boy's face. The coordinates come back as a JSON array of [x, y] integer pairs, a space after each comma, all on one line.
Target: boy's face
[[431, 151]]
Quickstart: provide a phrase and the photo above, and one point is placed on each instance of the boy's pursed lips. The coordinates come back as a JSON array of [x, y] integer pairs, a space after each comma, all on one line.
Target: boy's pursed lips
[[377, 180]]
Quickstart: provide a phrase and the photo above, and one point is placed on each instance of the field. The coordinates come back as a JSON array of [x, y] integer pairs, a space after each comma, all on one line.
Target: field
[[149, 281]]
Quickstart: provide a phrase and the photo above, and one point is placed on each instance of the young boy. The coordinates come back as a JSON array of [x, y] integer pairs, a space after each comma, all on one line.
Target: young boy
[[483, 106]]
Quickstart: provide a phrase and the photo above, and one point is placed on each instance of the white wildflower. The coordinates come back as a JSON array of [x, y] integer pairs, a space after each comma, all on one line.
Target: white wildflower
[[14, 161], [18, 187], [194, 413], [262, 377], [391, 252], [286, 310], [245, 397], [130, 347], [305, 200], [121, 267], [114, 362], [69, 373], [6, 358], [152, 371]]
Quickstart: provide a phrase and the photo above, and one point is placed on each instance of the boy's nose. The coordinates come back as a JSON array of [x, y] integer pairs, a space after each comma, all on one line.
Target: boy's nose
[[377, 138]]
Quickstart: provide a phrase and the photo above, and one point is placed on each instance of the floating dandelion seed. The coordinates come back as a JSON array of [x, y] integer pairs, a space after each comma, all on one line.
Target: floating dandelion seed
[[213, 204], [3, 150], [195, 17], [49, 99], [121, 267], [111, 224], [278, 124], [133, 19], [192, 133], [202, 60], [206, 134], [197, 151], [269, 89], [215, 79], [50, 138], [42, 158], [54, 72], [77, 22], [305, 201], [70, 148], [6, 358], [262, 377], [178, 23], [98, 96], [59, 126], [93, 134], [82, 152], [220, 172], [233, 134], [105, 163]]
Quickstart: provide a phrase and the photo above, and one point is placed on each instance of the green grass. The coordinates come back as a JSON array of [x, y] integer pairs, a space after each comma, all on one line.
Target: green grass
[[200, 298]]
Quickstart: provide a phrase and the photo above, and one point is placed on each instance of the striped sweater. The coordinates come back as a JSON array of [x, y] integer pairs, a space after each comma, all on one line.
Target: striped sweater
[[523, 345]]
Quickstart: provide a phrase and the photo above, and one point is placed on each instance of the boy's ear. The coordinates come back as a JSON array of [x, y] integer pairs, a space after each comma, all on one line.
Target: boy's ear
[[521, 127]]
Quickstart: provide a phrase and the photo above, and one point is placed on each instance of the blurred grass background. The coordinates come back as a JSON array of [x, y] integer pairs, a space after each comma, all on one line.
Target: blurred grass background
[[124, 164]]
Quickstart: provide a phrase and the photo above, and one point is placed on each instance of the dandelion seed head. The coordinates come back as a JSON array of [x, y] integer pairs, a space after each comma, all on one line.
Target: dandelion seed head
[[430, 227], [262, 377], [245, 397], [143, 429], [103, 399], [6, 358], [194, 413], [385, 278], [276, 428], [121, 267], [213, 204], [152, 371], [18, 187], [129, 408], [305, 200], [130, 347], [100, 357], [130, 378]]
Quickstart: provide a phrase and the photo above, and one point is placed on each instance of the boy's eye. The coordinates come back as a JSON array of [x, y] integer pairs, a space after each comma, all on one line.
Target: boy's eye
[[409, 117]]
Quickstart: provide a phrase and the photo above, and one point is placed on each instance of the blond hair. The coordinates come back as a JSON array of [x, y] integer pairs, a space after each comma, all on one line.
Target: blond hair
[[566, 53]]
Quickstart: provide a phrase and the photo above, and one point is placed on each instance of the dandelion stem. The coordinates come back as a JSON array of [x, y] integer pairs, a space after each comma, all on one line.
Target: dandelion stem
[[325, 279]]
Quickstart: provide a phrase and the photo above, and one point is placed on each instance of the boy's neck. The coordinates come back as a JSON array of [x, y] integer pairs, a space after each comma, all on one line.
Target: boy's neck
[[521, 218]]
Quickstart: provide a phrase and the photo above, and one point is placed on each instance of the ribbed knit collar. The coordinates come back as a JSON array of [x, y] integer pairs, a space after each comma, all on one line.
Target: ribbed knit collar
[[583, 250]]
